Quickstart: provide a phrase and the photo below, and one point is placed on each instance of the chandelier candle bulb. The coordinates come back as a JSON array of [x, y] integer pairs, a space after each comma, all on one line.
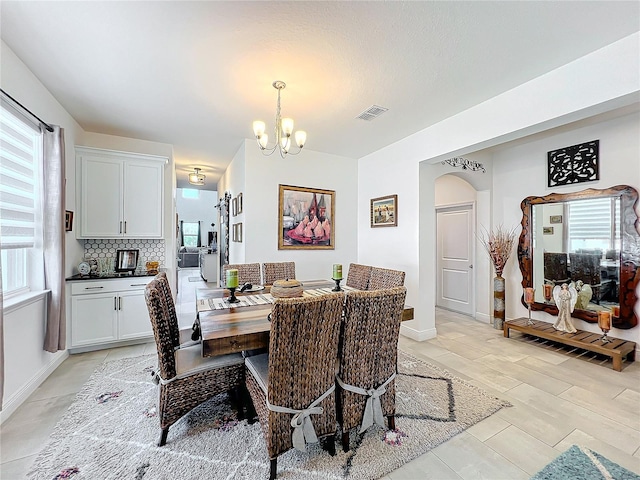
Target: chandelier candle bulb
[[337, 272], [529, 294], [604, 320], [232, 278]]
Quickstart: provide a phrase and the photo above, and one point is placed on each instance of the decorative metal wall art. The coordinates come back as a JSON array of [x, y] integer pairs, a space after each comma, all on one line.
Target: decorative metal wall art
[[574, 164]]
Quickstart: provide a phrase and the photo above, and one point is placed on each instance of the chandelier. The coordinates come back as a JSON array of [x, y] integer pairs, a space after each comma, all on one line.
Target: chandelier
[[465, 164], [283, 131], [196, 178]]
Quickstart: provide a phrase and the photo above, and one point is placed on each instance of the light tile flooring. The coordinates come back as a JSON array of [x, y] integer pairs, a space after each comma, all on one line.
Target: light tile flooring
[[558, 400]]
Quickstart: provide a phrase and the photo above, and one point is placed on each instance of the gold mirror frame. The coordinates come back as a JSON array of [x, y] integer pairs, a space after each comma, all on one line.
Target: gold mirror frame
[[629, 250]]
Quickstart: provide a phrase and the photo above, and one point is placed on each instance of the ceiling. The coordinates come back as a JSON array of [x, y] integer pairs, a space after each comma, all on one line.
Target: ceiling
[[196, 74]]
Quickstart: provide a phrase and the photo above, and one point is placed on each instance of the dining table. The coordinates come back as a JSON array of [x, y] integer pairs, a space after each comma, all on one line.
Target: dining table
[[235, 327]]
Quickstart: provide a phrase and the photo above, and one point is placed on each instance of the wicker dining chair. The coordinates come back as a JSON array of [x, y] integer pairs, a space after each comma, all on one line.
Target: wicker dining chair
[[369, 359], [247, 273], [385, 278], [278, 271], [358, 276], [185, 378], [179, 337], [297, 375]]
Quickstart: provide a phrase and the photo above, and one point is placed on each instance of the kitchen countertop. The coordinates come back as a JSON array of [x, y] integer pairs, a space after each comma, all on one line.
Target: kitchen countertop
[[77, 276]]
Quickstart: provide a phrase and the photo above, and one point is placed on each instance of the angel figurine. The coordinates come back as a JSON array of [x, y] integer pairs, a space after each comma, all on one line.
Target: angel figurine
[[565, 297]]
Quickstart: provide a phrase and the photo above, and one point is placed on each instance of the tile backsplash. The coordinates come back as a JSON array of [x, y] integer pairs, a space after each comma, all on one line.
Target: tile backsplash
[[150, 250]]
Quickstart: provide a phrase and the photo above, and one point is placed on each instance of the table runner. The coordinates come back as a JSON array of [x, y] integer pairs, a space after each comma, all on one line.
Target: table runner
[[206, 304]]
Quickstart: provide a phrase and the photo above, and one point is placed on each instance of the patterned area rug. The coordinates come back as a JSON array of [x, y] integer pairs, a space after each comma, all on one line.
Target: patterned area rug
[[580, 463], [111, 430]]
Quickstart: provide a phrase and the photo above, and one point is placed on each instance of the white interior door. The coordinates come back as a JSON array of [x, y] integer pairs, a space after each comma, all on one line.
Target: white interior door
[[455, 258]]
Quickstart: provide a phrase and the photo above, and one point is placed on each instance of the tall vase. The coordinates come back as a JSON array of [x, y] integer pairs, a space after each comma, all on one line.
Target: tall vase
[[498, 302]]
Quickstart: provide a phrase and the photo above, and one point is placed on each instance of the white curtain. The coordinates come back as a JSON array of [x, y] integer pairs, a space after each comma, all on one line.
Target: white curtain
[[53, 226]]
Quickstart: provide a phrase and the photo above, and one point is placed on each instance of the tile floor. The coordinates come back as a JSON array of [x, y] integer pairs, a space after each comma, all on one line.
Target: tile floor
[[558, 400]]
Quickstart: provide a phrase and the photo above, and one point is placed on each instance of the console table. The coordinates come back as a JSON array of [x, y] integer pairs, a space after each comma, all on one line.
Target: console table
[[616, 349]]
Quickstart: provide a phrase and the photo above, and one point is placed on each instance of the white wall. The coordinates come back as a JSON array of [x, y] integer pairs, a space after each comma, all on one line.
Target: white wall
[[258, 178], [233, 181], [199, 209], [521, 171], [601, 81], [26, 363], [308, 169]]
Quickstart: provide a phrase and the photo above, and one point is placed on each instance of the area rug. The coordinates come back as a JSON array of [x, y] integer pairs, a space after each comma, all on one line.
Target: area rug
[[111, 430], [580, 463]]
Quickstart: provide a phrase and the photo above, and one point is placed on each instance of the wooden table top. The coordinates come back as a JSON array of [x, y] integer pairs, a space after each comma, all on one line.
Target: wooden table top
[[235, 329]]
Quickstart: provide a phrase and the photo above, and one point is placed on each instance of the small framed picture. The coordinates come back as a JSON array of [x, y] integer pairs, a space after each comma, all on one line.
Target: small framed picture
[[68, 220], [126, 260], [547, 230], [234, 206], [555, 219], [239, 233], [239, 197], [384, 211]]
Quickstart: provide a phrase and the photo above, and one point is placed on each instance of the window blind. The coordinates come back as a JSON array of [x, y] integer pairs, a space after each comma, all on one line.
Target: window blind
[[591, 219], [20, 151]]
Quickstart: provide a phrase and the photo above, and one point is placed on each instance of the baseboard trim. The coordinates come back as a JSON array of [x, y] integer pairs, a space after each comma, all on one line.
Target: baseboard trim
[[10, 405], [418, 335], [483, 317]]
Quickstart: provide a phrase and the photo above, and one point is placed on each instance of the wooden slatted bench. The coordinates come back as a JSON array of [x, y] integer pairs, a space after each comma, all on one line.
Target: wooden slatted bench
[[616, 349]]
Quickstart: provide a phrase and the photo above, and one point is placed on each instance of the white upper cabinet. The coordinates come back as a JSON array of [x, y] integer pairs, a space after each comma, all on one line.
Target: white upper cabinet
[[121, 195]]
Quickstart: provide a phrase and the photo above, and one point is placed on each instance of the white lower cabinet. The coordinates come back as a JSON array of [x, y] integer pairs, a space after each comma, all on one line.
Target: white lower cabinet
[[106, 311]]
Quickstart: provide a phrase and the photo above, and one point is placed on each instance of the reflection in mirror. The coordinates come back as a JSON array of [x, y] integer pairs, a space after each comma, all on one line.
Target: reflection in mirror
[[589, 239], [578, 242]]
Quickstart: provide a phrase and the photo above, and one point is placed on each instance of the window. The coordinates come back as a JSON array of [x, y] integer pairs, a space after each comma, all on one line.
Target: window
[[191, 193], [20, 203], [191, 234], [592, 224]]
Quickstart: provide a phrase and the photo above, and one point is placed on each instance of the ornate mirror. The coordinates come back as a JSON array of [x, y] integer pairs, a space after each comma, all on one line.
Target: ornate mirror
[[590, 238]]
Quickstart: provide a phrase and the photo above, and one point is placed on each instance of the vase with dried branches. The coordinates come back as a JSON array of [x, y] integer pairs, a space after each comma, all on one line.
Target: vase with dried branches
[[499, 245]]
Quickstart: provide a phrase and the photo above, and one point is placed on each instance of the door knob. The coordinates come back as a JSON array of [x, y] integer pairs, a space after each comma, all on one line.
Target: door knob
[[470, 266]]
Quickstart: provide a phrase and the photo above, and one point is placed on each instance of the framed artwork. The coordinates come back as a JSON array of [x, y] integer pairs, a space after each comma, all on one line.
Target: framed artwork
[[547, 230], [574, 164], [239, 203], [306, 218], [126, 260], [238, 232], [555, 219], [384, 211], [68, 220], [234, 206]]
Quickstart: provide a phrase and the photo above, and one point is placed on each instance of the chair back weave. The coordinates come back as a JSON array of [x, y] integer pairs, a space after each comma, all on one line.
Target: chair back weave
[[162, 331], [358, 276], [303, 348], [369, 352], [278, 271], [174, 326], [247, 273], [385, 278]]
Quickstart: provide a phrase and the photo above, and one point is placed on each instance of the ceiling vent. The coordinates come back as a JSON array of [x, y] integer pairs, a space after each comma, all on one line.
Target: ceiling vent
[[372, 112]]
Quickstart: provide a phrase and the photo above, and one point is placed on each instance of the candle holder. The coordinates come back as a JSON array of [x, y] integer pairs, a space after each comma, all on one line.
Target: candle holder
[[232, 295], [337, 288], [548, 289], [529, 321], [604, 322]]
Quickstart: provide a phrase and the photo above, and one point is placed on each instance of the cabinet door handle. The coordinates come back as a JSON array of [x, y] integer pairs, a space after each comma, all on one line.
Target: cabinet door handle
[[115, 303], [119, 303], [120, 230], [92, 288], [125, 226], [138, 285]]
